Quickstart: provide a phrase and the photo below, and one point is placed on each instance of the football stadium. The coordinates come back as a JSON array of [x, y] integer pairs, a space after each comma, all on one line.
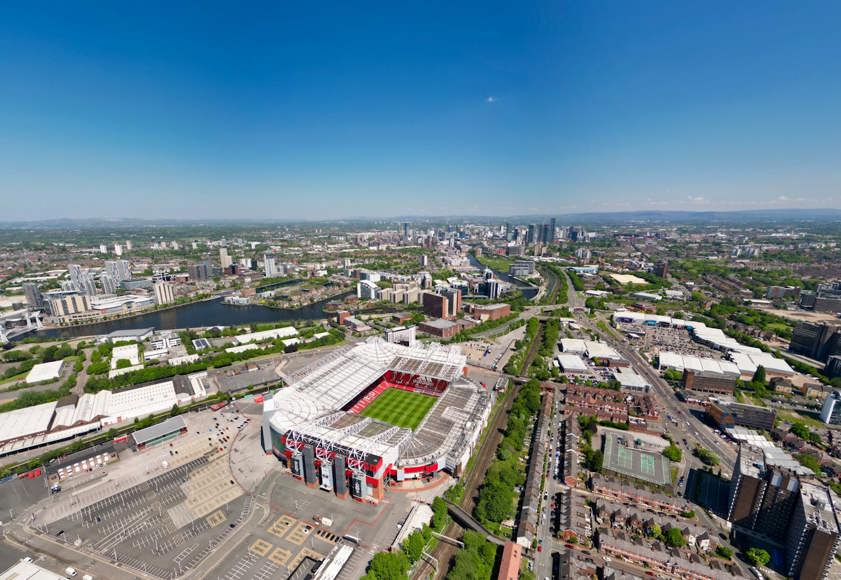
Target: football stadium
[[376, 413]]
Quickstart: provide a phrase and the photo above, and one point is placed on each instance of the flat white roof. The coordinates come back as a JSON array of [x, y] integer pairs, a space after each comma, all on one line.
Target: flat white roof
[[29, 571], [284, 332], [45, 372], [129, 352], [597, 349], [573, 345], [28, 421], [571, 363]]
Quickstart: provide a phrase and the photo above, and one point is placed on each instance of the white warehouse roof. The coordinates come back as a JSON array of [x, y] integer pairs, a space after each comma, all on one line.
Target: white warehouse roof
[[284, 332], [45, 372], [571, 363], [28, 421]]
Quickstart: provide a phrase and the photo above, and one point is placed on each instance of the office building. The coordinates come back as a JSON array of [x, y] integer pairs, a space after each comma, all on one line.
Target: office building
[[103, 249], [423, 260], [831, 410], [118, 250], [119, 270], [490, 288], [367, 290], [729, 414], [816, 340], [545, 234], [435, 305], [522, 268], [224, 259], [270, 266], [164, 293], [405, 231], [199, 272], [553, 228], [453, 302], [661, 269], [530, 234], [34, 298], [129, 245]]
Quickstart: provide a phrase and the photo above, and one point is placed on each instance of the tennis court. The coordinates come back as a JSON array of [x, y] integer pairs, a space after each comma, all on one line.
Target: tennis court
[[623, 456]]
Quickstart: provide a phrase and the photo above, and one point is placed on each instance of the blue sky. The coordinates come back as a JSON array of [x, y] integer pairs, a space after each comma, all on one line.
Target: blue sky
[[346, 109]]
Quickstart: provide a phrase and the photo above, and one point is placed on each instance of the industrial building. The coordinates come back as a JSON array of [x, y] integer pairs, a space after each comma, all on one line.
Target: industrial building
[[317, 428], [48, 371], [72, 416]]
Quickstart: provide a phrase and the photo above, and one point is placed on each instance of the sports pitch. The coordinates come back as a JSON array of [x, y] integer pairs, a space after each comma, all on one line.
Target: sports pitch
[[399, 407]]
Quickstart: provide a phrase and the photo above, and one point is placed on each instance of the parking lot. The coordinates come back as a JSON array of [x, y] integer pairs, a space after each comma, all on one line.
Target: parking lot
[[212, 504]]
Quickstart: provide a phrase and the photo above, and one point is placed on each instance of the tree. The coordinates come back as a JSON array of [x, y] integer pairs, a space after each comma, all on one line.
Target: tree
[[758, 556], [176, 410], [388, 566], [759, 375], [123, 363], [723, 552], [674, 538], [439, 513], [673, 453], [413, 546]]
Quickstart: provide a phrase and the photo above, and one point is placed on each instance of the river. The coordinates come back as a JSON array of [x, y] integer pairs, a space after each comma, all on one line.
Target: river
[[198, 314], [528, 291]]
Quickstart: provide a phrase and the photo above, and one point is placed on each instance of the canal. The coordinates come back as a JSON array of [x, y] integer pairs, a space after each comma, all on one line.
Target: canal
[[199, 314], [528, 291]]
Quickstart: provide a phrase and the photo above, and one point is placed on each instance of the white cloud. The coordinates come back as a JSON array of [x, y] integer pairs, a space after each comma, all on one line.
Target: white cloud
[[490, 100]]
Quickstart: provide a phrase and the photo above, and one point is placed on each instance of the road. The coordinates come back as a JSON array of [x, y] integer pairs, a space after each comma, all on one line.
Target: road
[[687, 422]]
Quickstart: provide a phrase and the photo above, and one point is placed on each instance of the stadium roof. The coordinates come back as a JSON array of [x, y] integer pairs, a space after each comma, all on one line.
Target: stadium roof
[[48, 371], [24, 422], [311, 406]]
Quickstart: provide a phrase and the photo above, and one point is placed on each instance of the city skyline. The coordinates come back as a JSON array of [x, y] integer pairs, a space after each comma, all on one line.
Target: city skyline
[[544, 109]]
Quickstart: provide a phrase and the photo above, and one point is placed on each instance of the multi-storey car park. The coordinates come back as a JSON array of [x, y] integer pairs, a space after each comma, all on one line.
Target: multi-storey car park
[[318, 426]]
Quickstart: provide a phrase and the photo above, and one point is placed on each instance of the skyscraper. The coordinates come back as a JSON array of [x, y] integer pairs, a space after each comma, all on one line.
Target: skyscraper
[[199, 272], [269, 265], [405, 231], [109, 284], [81, 280], [553, 227], [224, 259], [119, 270], [530, 234]]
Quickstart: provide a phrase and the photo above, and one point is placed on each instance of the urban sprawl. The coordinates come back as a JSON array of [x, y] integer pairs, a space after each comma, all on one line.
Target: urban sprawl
[[421, 399]]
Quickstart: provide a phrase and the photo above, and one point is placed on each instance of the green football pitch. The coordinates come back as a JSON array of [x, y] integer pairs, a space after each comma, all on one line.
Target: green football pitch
[[399, 407]]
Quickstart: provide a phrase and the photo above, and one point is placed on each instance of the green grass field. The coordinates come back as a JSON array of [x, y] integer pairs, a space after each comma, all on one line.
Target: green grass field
[[399, 407]]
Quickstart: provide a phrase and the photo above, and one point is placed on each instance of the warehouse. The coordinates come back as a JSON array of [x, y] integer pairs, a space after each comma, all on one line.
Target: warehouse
[[49, 371]]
